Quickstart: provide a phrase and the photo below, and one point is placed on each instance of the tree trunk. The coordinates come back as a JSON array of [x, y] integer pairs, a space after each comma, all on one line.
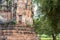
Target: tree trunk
[[54, 36]]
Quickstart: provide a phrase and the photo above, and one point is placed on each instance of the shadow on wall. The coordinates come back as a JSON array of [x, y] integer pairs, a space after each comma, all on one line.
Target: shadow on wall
[[2, 20]]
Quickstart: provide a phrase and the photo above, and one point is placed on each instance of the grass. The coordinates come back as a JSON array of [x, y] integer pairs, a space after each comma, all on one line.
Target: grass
[[49, 38]]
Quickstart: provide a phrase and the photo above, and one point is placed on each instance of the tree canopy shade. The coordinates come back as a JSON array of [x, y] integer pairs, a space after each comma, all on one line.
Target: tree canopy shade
[[51, 10], [9, 2], [12, 21]]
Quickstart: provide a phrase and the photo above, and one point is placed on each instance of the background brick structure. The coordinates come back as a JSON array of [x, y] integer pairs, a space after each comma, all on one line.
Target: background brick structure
[[21, 11]]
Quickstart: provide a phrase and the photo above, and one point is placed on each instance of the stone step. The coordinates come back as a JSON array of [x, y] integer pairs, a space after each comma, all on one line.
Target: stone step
[[16, 36], [11, 32], [15, 28], [19, 37], [19, 33]]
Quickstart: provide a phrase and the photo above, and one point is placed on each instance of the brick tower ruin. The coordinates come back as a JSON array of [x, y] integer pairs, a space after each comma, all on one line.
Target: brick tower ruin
[[20, 12]]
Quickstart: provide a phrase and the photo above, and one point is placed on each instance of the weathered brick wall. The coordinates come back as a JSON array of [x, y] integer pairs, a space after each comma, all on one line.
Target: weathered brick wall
[[19, 33], [24, 10]]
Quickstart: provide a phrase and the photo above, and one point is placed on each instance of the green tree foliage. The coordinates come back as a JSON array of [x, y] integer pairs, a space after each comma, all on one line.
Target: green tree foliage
[[50, 10], [41, 26], [9, 2], [12, 21]]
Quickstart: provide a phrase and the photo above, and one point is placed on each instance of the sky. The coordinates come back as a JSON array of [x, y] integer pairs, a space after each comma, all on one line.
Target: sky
[[35, 9]]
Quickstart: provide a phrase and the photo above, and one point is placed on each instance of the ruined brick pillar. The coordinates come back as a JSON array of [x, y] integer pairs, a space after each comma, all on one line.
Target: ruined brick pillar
[[24, 12]]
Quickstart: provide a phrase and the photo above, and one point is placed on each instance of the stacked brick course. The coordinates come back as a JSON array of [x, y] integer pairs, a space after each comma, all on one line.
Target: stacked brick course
[[23, 33]]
